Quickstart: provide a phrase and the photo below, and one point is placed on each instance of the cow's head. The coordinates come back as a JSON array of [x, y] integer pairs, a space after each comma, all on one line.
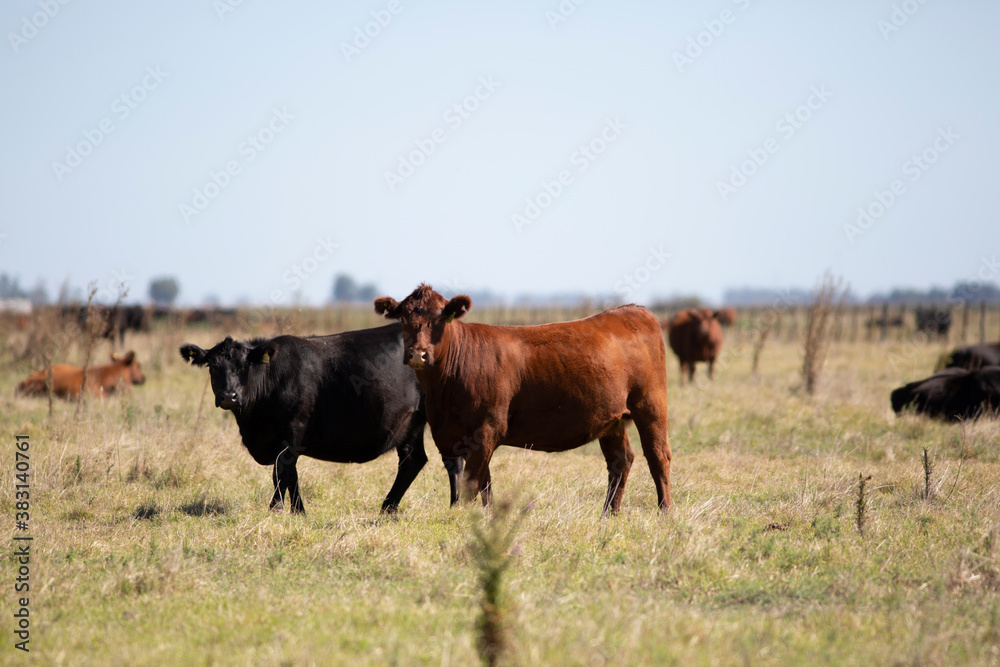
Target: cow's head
[[725, 316], [902, 397], [130, 363], [425, 316], [227, 368]]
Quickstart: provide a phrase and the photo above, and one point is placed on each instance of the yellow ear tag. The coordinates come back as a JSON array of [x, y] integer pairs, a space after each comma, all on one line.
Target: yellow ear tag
[[451, 318], [266, 358]]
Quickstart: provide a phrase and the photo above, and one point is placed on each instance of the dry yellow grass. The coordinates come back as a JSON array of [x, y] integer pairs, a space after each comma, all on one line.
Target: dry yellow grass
[[153, 544]]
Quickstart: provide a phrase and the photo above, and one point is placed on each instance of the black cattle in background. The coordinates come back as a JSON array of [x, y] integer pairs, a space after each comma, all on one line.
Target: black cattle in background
[[892, 322], [933, 321], [952, 394], [972, 357], [344, 398], [111, 321]]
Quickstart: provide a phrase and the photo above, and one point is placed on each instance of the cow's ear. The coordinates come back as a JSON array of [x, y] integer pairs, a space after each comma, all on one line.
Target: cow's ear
[[456, 308], [385, 305], [262, 354], [193, 354], [128, 358]]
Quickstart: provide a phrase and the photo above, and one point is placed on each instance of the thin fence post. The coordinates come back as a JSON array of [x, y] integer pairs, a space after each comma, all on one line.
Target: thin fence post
[[982, 322], [965, 323]]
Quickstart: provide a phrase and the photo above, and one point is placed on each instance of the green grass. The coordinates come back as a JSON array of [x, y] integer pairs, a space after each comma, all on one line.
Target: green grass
[[153, 543]]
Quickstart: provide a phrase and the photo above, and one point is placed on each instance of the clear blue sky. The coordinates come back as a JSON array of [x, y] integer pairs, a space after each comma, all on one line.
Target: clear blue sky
[[311, 127]]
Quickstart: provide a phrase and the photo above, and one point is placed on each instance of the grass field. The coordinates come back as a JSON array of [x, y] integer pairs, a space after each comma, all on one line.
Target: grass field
[[152, 542]]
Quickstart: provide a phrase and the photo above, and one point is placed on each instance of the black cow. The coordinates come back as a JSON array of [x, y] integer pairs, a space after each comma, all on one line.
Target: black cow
[[973, 357], [109, 321], [952, 394], [343, 398], [933, 321]]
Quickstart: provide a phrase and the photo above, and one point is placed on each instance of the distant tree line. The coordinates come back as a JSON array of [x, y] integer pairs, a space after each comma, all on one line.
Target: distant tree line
[[346, 289], [962, 291], [10, 288]]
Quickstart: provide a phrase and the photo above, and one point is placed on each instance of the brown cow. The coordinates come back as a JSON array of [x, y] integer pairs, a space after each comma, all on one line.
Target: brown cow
[[101, 380], [551, 387], [695, 334]]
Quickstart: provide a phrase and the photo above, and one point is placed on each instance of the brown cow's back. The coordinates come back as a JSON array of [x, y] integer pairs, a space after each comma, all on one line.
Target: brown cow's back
[[67, 379], [544, 375]]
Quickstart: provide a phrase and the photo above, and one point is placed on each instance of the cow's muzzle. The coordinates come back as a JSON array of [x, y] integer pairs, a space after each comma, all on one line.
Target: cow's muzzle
[[417, 359], [227, 400]]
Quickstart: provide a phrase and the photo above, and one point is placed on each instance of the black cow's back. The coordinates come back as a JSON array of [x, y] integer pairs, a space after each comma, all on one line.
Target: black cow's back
[[973, 357], [952, 394], [348, 394]]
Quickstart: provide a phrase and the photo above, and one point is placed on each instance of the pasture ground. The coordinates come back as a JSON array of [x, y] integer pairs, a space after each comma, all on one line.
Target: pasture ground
[[153, 543]]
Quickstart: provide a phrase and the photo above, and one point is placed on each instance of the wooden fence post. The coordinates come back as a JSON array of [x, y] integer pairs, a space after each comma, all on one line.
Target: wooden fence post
[[982, 323]]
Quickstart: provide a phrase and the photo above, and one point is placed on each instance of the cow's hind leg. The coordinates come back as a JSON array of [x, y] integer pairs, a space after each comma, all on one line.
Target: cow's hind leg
[[651, 423], [477, 473], [412, 458], [619, 456]]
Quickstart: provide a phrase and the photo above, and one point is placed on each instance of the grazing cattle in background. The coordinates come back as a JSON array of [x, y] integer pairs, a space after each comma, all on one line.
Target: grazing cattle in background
[[101, 380], [550, 387], [933, 321], [695, 334], [110, 322], [893, 322], [342, 398], [952, 394], [129, 318], [972, 357], [195, 316]]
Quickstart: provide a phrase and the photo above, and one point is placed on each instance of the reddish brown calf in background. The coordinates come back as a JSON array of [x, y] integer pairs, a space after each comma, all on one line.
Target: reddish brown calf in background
[[695, 334], [551, 388], [67, 380]]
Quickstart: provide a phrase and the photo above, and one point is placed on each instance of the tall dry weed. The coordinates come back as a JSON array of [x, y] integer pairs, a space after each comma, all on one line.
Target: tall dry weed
[[818, 328]]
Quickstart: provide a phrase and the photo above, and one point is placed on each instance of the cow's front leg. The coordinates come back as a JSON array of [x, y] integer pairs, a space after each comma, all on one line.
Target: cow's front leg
[[277, 498], [286, 477], [454, 468]]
